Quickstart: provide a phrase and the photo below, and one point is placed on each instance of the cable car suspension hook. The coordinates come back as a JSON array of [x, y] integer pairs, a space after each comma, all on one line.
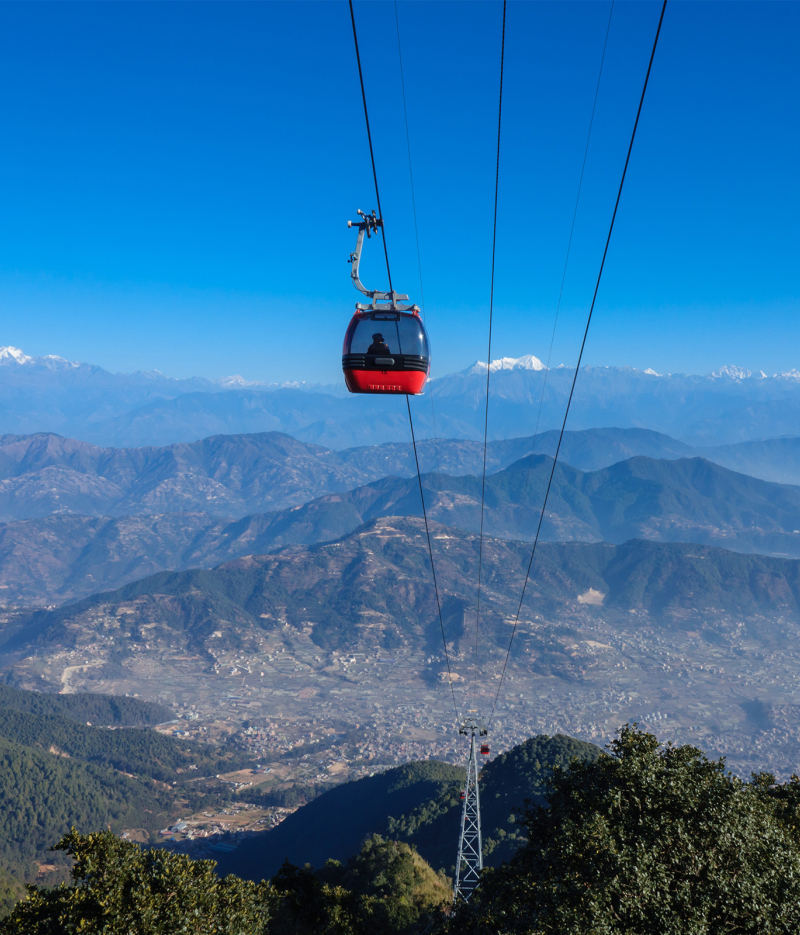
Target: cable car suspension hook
[[381, 301]]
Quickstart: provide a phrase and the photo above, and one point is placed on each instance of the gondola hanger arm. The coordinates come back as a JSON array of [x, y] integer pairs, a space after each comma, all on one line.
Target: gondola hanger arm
[[381, 301]]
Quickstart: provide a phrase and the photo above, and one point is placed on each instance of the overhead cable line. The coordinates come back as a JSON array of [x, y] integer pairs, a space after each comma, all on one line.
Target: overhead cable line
[[416, 229], [408, 405], [371, 150], [564, 273], [489, 350], [580, 355], [433, 570]]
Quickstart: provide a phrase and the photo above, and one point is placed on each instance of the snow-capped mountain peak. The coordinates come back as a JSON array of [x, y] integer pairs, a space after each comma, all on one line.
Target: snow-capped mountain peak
[[236, 382], [526, 362], [13, 355], [652, 372], [733, 372]]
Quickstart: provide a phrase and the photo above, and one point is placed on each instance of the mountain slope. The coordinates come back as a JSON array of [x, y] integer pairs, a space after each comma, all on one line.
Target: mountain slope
[[51, 394], [773, 459], [688, 500], [417, 803], [105, 710], [57, 772], [381, 572], [233, 475], [335, 824]]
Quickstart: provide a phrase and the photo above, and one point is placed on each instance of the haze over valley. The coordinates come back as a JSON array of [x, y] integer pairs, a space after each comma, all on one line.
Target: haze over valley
[[271, 589]]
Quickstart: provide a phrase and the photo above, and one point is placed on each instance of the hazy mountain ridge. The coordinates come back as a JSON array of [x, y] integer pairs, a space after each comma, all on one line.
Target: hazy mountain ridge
[[688, 500], [233, 475], [417, 803], [50, 394], [382, 571]]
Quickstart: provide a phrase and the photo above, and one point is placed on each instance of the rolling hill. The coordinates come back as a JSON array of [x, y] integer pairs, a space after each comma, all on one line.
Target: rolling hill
[[56, 771], [382, 569], [233, 475], [689, 500], [417, 803]]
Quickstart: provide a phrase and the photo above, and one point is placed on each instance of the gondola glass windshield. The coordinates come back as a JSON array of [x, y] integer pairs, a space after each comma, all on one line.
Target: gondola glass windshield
[[402, 334], [385, 352], [385, 346]]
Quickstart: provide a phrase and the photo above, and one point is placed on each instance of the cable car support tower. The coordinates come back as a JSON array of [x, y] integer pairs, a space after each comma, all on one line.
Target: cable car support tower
[[470, 846]]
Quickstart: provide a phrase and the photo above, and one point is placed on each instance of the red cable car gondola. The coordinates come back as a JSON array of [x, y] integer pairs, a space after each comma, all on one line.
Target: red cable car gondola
[[386, 346], [485, 749]]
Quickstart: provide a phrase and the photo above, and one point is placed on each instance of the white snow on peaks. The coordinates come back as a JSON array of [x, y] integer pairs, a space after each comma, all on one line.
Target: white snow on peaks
[[14, 355], [652, 372], [237, 381], [526, 362], [793, 374], [733, 372]]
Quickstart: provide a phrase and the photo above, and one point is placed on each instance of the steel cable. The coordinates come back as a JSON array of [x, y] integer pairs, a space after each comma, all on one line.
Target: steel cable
[[408, 405], [489, 350], [563, 276], [371, 150], [433, 569], [580, 356], [416, 229]]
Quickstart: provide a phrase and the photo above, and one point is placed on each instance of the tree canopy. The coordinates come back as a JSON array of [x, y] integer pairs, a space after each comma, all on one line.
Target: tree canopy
[[120, 888], [652, 840]]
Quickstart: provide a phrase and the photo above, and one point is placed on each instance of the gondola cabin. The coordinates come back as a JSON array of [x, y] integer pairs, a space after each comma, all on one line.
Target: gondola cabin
[[463, 795], [385, 347], [386, 352], [485, 749]]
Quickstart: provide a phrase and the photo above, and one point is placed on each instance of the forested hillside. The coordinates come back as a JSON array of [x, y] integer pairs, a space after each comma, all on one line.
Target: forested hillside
[[384, 568], [129, 750], [105, 710], [56, 772], [418, 804], [686, 500]]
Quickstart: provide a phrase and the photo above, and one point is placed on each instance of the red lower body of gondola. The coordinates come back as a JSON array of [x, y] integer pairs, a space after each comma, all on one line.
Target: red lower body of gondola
[[408, 382]]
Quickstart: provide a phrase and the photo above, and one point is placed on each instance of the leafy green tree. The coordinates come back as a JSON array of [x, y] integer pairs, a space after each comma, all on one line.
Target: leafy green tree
[[649, 840], [408, 894], [306, 905], [11, 891], [121, 889]]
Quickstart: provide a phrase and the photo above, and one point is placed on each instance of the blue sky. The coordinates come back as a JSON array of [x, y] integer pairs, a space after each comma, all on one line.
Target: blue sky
[[176, 181]]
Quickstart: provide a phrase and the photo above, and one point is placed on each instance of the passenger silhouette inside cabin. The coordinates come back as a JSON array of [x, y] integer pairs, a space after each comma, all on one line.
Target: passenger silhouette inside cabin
[[378, 346]]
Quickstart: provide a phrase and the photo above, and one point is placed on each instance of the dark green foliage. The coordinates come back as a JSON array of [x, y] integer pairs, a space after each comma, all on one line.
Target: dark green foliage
[[121, 889], [408, 893], [507, 782], [308, 906], [335, 824], [42, 795], [105, 710], [11, 890], [649, 840], [130, 750]]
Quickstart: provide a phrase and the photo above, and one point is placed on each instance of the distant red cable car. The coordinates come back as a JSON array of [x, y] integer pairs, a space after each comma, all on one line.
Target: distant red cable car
[[386, 346], [463, 795], [485, 749]]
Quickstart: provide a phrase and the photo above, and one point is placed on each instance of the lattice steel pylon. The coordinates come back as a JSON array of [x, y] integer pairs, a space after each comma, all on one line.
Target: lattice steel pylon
[[470, 847]]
